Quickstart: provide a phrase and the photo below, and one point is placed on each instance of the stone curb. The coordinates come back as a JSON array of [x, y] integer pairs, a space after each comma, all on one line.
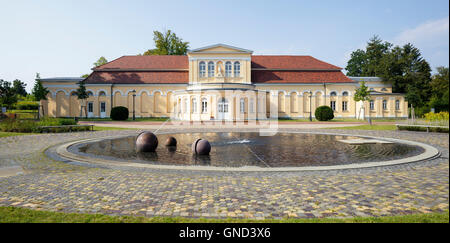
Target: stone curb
[[429, 153]]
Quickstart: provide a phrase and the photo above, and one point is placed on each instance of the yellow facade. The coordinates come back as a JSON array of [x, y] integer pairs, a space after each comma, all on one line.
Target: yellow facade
[[221, 90]]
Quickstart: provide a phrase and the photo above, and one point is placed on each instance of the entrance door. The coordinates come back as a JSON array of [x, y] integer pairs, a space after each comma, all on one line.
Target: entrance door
[[222, 110], [90, 109], [102, 109]]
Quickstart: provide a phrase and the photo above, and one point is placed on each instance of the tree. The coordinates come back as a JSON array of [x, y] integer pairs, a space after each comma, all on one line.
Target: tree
[[102, 60], [82, 95], [7, 95], [85, 75], [440, 89], [19, 88], [408, 73], [375, 51], [39, 91], [362, 94], [356, 63], [401, 66], [167, 44]]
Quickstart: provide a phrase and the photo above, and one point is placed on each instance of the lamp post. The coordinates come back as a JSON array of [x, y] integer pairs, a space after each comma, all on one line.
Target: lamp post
[[310, 105], [134, 112]]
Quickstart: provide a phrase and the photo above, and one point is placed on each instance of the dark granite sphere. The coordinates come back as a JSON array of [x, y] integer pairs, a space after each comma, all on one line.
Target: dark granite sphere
[[201, 147], [171, 141], [146, 142]]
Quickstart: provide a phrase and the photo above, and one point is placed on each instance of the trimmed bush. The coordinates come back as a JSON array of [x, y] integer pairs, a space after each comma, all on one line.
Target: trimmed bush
[[27, 105], [16, 125], [119, 113], [324, 113]]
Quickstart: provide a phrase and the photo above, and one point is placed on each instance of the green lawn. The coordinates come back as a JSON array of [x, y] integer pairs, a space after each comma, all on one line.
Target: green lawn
[[341, 120], [9, 134], [155, 119], [22, 215], [368, 127], [97, 128]]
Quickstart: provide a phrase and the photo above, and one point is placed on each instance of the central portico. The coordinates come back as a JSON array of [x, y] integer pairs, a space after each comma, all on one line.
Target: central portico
[[220, 86]]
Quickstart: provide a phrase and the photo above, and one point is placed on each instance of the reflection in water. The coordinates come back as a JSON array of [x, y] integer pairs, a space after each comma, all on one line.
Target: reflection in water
[[250, 149]]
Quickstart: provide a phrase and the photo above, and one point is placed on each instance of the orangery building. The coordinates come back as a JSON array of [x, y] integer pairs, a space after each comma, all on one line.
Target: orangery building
[[220, 82]]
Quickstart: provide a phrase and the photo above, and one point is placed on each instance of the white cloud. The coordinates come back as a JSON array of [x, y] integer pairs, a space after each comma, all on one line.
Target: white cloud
[[431, 33]]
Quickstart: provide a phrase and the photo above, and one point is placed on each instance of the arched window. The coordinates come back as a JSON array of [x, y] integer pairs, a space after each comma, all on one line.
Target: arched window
[[237, 69], [74, 93], [228, 69], [102, 93], [333, 93], [210, 69], [204, 105], [383, 89], [89, 93], [345, 93], [202, 68]]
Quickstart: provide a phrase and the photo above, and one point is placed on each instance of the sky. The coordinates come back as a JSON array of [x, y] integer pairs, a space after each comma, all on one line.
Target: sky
[[64, 38]]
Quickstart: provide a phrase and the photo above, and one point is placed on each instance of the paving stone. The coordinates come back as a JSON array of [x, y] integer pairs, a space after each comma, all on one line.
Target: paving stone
[[50, 184]]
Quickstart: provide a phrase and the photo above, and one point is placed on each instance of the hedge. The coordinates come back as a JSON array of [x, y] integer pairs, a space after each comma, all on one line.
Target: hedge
[[27, 105], [16, 125], [423, 129]]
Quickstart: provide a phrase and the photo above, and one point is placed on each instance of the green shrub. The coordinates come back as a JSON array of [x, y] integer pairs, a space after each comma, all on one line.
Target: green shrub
[[441, 116], [27, 105], [423, 129], [119, 113], [49, 121], [15, 125], [324, 113]]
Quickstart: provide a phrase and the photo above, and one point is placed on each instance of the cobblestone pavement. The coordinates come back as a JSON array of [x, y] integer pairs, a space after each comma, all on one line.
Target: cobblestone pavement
[[47, 184]]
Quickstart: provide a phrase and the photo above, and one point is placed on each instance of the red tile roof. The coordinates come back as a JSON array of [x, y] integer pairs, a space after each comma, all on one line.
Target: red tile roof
[[147, 62], [291, 62], [159, 77], [299, 77], [280, 69]]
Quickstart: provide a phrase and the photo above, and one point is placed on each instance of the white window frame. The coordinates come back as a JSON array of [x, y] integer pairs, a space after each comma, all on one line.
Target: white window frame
[[194, 105], [202, 69], [397, 105], [371, 105], [204, 105], [344, 105], [211, 67], [384, 105], [237, 69], [251, 105], [333, 105], [242, 105], [228, 69]]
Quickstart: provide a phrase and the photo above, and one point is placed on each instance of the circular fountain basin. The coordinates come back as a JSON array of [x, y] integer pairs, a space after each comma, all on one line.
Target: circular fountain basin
[[248, 151]]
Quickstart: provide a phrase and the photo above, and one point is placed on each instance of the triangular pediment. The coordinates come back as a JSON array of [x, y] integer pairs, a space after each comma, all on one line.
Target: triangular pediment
[[220, 48]]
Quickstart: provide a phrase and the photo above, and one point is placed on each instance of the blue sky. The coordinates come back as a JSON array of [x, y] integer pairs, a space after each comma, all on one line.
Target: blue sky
[[64, 38]]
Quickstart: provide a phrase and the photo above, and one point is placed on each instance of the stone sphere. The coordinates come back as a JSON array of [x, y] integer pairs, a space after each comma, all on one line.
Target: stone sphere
[[201, 147], [171, 141], [146, 142]]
